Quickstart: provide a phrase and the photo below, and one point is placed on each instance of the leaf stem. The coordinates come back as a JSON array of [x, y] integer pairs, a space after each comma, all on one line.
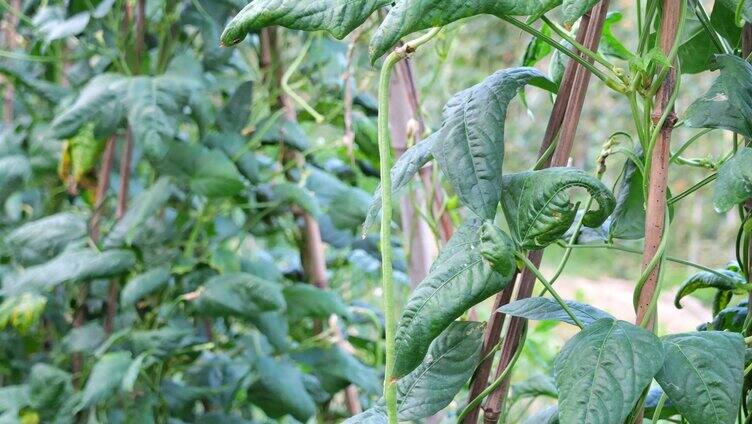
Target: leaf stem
[[709, 179], [584, 50], [384, 142], [659, 408], [549, 287], [290, 92]]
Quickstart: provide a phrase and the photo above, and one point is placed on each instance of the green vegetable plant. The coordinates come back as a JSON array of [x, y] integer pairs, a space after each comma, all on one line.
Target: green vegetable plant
[[184, 240], [609, 371]]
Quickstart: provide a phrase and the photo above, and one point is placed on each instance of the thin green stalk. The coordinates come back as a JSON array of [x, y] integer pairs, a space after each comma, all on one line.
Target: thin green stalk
[[610, 82], [689, 142], [639, 252], [702, 15], [645, 34], [709, 179], [659, 408], [385, 164], [290, 92], [496, 383], [672, 53], [531, 266]]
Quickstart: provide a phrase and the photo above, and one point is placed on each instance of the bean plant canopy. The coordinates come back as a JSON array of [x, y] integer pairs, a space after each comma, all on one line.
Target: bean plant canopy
[[216, 211]]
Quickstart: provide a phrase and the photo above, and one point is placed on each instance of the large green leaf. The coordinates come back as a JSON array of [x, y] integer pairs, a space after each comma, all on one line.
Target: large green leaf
[[703, 375], [459, 279], [470, 143], [628, 221], [402, 172], [543, 308], [728, 103], [40, 240], [549, 415], [142, 208], [106, 378], [21, 75], [144, 284], [338, 17], [408, 16], [723, 280], [730, 319], [698, 48], [450, 362], [602, 371], [538, 209], [734, 184], [234, 116], [279, 390], [75, 265], [243, 295], [311, 301]]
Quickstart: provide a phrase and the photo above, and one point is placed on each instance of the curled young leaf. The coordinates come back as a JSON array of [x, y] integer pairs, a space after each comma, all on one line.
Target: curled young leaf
[[470, 143], [723, 280], [603, 370], [734, 184], [409, 16], [703, 375], [498, 248], [338, 17], [538, 208], [459, 279]]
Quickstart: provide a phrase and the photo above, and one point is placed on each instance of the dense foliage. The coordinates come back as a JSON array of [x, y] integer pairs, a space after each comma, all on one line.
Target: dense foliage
[[186, 238]]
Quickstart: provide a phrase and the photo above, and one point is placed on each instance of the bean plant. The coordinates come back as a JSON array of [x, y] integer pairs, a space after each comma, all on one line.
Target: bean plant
[[605, 373], [184, 240]]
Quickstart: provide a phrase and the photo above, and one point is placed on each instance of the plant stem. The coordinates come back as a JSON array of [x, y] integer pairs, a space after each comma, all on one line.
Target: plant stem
[[659, 408], [385, 165], [550, 288], [709, 179], [581, 48]]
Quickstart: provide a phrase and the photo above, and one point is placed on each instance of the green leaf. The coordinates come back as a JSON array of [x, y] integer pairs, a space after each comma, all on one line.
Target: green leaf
[[610, 44], [728, 103], [730, 319], [734, 184], [703, 375], [746, 8], [279, 390], [628, 221], [375, 415], [22, 311], [51, 23], [698, 48], [338, 17], [143, 285], [243, 295], [105, 379], [142, 208], [572, 10], [459, 279], [402, 172], [237, 110], [335, 362], [78, 265], [288, 193], [49, 389], [723, 280], [538, 209], [546, 309], [84, 339], [409, 16], [470, 143], [602, 371], [311, 301], [449, 364], [495, 246], [209, 172], [21, 75], [43, 239], [549, 415], [15, 171], [537, 49], [536, 386]]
